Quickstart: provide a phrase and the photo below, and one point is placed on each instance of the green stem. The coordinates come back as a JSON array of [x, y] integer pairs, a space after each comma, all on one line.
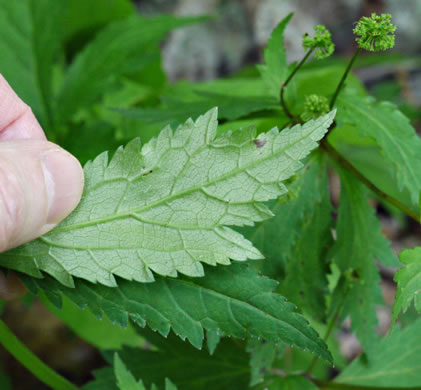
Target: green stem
[[284, 85], [344, 76], [21, 353], [342, 161]]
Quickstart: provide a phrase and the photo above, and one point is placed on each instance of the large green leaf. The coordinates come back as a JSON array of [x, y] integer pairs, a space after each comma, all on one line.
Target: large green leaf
[[359, 242], [400, 144], [234, 300], [394, 363], [305, 283], [30, 33], [187, 367], [277, 237], [165, 209], [408, 279], [275, 69], [106, 56]]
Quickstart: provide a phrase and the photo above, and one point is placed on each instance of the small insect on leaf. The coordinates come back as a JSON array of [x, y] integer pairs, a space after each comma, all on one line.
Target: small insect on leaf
[[259, 143]]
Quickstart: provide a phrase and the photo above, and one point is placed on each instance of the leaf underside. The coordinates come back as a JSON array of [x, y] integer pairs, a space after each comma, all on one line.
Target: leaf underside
[[165, 208]]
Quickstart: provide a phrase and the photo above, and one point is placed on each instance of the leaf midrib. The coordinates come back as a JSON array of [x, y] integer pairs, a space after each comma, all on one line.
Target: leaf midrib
[[187, 191]]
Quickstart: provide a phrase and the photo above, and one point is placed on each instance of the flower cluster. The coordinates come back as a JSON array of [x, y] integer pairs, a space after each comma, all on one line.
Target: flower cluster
[[314, 106], [375, 33], [321, 42]]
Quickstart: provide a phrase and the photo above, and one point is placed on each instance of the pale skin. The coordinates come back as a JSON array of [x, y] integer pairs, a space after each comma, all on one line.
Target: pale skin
[[40, 183]]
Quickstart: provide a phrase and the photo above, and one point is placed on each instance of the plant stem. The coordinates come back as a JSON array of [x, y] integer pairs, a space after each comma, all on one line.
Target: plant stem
[[344, 76], [284, 85], [21, 353], [342, 161]]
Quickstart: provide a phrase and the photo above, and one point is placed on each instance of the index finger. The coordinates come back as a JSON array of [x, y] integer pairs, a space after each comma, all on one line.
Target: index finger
[[16, 118]]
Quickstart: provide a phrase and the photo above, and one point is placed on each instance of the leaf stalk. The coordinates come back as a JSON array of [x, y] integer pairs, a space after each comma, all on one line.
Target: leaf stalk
[[31, 362], [285, 84], [344, 77]]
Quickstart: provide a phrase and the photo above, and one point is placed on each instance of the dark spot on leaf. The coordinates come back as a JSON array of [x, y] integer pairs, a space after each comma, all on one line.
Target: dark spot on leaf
[[259, 143], [147, 173]]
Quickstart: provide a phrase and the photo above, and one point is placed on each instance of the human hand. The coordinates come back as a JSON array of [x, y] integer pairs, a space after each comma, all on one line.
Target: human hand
[[40, 183]]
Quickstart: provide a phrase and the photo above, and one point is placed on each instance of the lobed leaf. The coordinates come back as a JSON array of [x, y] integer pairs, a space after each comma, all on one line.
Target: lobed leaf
[[234, 300], [105, 56], [393, 133], [275, 69], [306, 271], [277, 237], [408, 280], [394, 362], [165, 208], [188, 368], [28, 44], [125, 379], [359, 242]]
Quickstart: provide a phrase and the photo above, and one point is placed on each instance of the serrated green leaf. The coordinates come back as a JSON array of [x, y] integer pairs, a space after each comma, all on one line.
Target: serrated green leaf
[[398, 140], [262, 356], [105, 56], [359, 242], [394, 363], [169, 385], [235, 300], [276, 237], [28, 44], [213, 337], [125, 379], [187, 367], [274, 70], [165, 208], [408, 280], [305, 283]]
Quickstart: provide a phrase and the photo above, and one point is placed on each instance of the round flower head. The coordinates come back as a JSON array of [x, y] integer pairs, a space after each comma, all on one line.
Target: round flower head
[[314, 106], [376, 33], [321, 42]]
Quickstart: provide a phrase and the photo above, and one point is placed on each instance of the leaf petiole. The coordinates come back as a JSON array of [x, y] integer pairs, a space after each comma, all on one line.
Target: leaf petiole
[[30, 361], [284, 85], [344, 76]]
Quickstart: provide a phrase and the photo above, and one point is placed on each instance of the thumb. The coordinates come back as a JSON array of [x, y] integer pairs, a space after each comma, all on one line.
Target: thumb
[[40, 184]]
